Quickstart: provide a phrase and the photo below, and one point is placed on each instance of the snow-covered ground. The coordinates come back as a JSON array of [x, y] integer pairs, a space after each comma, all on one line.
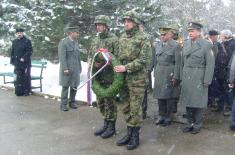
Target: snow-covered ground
[[50, 82]]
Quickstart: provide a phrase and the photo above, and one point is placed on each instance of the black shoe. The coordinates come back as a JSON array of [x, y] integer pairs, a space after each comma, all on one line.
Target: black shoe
[[26, 94], [166, 123], [160, 121], [187, 129], [64, 107], [144, 115], [195, 131], [216, 109], [232, 127], [185, 116], [73, 105], [110, 131], [102, 129], [227, 113], [125, 140], [134, 141]]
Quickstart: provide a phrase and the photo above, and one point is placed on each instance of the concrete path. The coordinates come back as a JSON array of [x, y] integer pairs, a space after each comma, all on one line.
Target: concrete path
[[34, 125]]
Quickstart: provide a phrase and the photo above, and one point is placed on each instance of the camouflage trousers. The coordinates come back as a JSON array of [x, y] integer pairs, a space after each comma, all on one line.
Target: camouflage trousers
[[108, 109], [131, 106]]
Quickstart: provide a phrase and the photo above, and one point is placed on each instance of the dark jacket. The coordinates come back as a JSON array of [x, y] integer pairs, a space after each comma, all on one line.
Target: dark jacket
[[21, 48], [232, 71], [229, 48], [221, 63]]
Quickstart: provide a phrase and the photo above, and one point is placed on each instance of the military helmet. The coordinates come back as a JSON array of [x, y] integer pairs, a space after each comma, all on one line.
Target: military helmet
[[102, 19], [132, 15]]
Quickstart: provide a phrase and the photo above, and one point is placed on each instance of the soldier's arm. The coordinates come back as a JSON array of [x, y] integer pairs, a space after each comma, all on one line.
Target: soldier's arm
[[79, 60], [115, 46], [177, 63], [210, 64], [181, 65], [153, 59], [141, 61], [62, 55]]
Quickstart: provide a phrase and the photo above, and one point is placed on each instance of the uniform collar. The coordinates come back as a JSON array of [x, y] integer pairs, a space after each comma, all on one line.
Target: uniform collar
[[103, 35], [132, 32]]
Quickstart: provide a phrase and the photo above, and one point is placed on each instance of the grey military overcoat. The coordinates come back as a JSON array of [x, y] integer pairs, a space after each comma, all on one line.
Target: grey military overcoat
[[69, 57], [197, 68], [166, 67]]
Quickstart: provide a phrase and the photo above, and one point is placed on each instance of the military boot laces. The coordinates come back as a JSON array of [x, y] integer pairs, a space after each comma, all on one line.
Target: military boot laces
[[125, 140], [110, 131], [102, 129], [134, 140]]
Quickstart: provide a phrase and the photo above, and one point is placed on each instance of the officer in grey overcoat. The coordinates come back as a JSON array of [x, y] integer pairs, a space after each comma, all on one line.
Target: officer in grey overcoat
[[167, 74], [70, 67], [197, 71]]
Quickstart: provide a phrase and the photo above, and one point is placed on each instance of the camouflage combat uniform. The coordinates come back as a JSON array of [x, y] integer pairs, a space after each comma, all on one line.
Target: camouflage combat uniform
[[134, 49], [108, 41]]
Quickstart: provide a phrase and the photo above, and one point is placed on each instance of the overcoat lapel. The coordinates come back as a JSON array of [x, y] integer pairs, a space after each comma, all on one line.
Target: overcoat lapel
[[191, 48]]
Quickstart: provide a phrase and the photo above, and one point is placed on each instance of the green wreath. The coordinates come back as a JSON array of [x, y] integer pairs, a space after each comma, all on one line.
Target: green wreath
[[113, 89]]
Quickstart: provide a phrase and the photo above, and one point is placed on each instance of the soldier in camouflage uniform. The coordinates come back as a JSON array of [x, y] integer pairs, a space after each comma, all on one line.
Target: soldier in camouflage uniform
[[108, 108], [166, 73], [134, 47], [149, 68]]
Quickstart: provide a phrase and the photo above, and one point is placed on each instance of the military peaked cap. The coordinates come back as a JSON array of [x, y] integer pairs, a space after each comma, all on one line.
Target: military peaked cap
[[194, 25], [213, 33]]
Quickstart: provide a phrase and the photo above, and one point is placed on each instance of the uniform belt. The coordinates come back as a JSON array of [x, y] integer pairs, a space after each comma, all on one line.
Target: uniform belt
[[124, 62], [166, 63], [195, 66]]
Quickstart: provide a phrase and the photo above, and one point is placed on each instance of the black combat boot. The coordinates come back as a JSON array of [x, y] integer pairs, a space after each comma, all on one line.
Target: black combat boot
[[64, 107], [134, 141], [102, 129], [72, 103], [125, 140], [110, 131]]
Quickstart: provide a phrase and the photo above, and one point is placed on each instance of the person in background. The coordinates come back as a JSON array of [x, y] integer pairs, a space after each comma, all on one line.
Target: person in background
[[228, 45], [149, 68], [167, 75], [215, 88], [70, 67], [196, 75], [231, 86], [21, 59]]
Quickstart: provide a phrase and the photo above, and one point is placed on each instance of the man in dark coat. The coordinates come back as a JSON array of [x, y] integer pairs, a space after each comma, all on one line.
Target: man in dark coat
[[21, 59], [228, 45], [70, 67], [213, 88], [231, 86], [197, 71]]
